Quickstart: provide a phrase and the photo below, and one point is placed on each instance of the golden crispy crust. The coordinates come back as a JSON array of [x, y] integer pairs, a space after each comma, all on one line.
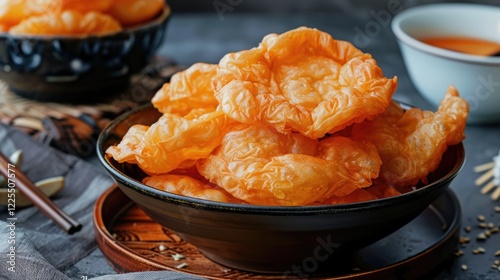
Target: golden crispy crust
[[12, 12], [187, 90], [172, 142], [188, 186], [304, 81], [261, 166], [412, 143], [133, 12], [67, 23], [302, 119], [126, 150], [50, 6]]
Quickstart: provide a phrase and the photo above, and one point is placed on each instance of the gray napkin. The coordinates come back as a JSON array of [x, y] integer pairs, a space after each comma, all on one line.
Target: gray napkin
[[42, 249]]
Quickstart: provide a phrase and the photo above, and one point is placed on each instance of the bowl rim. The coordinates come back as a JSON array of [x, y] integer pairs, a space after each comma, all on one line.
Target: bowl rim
[[411, 42], [204, 204], [158, 20]]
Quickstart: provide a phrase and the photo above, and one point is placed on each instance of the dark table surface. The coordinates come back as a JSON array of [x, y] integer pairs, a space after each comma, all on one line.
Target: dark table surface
[[207, 37]]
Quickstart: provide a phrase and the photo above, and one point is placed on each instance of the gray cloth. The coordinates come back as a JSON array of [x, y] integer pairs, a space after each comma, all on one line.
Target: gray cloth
[[42, 249]]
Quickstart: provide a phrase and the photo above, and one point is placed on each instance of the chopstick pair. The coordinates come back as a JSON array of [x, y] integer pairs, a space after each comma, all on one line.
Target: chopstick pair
[[489, 180], [37, 197]]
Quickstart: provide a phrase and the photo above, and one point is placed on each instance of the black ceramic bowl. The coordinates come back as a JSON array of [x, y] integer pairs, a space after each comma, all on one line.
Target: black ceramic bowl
[[272, 239], [76, 69]]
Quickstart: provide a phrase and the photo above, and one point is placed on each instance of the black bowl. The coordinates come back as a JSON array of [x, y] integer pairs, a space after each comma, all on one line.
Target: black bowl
[[272, 239], [76, 69]]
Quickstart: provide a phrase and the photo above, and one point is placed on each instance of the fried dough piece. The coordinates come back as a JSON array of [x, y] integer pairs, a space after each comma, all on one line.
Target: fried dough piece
[[133, 12], [187, 186], [126, 150], [67, 23], [411, 143], [189, 129], [359, 159], [358, 195], [49, 6], [13, 11], [187, 90], [261, 166], [373, 192], [382, 190], [173, 142], [304, 81]]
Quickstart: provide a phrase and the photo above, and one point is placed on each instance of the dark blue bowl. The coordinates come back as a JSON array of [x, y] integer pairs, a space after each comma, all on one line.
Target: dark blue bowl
[[76, 69], [272, 239]]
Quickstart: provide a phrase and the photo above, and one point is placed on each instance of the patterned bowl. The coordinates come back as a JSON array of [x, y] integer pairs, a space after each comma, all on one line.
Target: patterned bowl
[[75, 69]]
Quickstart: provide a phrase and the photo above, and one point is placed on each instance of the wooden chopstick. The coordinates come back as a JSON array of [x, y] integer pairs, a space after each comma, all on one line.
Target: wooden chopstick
[[488, 187], [483, 178], [37, 197], [484, 167]]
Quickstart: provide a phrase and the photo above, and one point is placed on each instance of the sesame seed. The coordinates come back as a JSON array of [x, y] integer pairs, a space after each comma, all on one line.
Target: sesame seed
[[481, 218], [464, 267], [481, 237], [495, 230], [497, 253], [497, 209], [482, 225], [487, 233], [496, 262], [464, 239], [459, 253], [491, 225], [467, 229], [162, 248]]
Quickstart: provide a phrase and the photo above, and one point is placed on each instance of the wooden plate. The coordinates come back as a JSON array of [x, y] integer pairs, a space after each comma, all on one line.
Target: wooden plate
[[132, 242]]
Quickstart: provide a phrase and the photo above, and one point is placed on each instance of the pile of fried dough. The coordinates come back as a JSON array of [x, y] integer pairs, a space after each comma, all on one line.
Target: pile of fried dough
[[75, 17], [302, 119]]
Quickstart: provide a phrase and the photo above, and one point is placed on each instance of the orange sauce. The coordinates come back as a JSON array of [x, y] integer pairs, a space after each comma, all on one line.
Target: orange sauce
[[465, 45]]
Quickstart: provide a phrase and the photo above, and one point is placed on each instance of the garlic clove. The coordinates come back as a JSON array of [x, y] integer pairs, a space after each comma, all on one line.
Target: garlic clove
[[17, 160], [49, 187]]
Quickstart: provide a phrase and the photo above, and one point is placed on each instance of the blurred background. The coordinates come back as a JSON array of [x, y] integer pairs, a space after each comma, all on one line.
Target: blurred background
[[257, 18]]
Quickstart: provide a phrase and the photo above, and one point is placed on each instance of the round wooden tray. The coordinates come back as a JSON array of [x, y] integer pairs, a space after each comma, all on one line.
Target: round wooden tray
[[132, 242]]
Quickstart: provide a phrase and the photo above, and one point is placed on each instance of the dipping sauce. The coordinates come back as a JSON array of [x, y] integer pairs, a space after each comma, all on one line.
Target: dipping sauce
[[466, 45]]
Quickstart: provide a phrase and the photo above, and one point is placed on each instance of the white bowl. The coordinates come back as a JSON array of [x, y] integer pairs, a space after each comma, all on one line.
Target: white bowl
[[433, 69]]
